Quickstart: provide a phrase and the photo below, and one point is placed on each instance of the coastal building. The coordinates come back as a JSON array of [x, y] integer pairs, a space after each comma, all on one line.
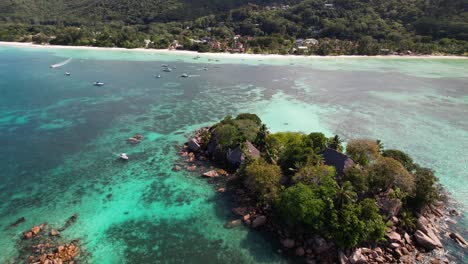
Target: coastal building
[[237, 156], [337, 159], [215, 45], [311, 41]]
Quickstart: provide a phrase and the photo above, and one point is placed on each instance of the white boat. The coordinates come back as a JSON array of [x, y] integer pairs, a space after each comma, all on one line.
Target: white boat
[[167, 69], [123, 156], [185, 75], [164, 65], [159, 76], [60, 64], [98, 83], [67, 73]]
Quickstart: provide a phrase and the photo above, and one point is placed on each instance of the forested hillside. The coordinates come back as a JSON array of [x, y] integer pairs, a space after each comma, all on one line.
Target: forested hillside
[[339, 26]]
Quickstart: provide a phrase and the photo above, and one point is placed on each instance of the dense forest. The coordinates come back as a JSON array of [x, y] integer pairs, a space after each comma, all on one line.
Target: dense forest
[[257, 26]]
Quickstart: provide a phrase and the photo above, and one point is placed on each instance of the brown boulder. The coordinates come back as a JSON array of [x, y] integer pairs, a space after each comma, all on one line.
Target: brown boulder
[[35, 230], [240, 211], [407, 238], [424, 240], [193, 145], [259, 221], [246, 217], [320, 244], [459, 239], [357, 257], [454, 212], [300, 251], [380, 260], [210, 174], [191, 168], [423, 224], [54, 232], [398, 253], [378, 250], [404, 251], [393, 236], [394, 245], [288, 243], [28, 235], [342, 258]]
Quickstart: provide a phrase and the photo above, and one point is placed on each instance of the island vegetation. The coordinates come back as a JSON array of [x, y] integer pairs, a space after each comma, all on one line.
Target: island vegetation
[[327, 202], [321, 27]]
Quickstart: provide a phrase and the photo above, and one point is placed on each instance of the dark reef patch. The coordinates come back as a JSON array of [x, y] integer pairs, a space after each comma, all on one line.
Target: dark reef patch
[[170, 242]]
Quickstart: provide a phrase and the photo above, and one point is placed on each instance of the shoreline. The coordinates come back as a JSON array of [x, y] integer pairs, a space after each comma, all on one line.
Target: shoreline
[[228, 55]]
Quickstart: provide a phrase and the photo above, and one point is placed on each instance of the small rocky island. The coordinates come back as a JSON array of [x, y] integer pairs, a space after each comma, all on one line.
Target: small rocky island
[[43, 244], [367, 204]]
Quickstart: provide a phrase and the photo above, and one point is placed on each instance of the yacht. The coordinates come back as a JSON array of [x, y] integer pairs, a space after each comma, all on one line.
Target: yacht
[[185, 75], [98, 83]]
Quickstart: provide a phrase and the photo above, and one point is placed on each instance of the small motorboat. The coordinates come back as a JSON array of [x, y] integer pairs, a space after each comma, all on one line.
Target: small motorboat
[[185, 75], [123, 156], [159, 76], [205, 68], [67, 73], [164, 65], [98, 83], [167, 69]]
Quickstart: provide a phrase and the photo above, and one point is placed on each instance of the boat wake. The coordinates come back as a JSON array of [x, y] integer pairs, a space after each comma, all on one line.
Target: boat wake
[[60, 64]]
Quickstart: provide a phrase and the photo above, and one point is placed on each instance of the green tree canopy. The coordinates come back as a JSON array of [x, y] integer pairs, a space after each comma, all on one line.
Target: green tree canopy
[[363, 151], [263, 179]]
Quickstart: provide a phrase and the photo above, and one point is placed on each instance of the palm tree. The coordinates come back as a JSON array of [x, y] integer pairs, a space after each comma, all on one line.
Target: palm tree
[[335, 143], [345, 194], [381, 146]]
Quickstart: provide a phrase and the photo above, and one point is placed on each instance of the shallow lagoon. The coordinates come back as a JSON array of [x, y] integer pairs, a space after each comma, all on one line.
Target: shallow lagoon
[[60, 137]]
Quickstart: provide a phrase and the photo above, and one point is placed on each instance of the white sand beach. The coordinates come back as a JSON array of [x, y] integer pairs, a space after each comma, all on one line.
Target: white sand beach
[[225, 54]]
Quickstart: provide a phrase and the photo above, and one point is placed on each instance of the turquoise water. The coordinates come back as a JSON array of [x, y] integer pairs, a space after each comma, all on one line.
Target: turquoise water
[[60, 138]]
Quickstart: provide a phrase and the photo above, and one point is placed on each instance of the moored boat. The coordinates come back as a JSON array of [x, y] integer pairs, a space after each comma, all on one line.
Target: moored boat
[[123, 156]]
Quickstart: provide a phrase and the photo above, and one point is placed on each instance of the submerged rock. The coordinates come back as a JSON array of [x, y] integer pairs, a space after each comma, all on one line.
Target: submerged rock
[[17, 222], [233, 223]]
